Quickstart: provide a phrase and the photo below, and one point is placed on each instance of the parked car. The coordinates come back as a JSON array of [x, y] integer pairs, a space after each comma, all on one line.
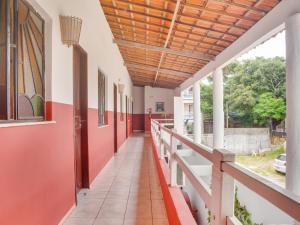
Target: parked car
[[280, 163]]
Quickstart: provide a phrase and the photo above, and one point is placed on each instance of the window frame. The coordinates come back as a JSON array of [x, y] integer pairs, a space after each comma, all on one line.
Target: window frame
[[13, 117], [102, 120]]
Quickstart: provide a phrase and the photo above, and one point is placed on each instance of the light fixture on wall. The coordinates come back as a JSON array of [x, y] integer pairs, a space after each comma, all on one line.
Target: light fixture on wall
[[121, 88], [70, 27]]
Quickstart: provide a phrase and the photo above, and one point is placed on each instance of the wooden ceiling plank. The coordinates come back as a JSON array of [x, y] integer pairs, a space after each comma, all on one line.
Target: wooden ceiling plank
[[184, 53], [223, 13], [190, 5], [183, 15], [212, 29], [177, 36], [162, 70], [185, 32], [136, 77], [231, 3]]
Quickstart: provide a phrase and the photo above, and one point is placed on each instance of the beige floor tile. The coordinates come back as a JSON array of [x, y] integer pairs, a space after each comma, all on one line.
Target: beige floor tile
[[79, 221], [126, 192], [86, 210], [108, 221]]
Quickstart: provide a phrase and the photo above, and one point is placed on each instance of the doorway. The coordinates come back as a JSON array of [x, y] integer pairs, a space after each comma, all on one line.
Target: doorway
[[115, 118], [80, 102]]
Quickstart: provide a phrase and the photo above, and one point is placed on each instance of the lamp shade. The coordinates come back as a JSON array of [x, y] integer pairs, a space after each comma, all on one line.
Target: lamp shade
[[121, 88], [70, 30]]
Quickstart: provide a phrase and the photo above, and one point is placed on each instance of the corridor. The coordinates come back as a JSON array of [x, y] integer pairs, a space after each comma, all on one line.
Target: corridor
[[126, 192]]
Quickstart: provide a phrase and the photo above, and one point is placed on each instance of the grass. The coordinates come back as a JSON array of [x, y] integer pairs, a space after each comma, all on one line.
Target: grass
[[262, 164]]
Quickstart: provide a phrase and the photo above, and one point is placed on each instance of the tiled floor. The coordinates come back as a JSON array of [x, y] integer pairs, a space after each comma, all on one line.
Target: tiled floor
[[126, 192]]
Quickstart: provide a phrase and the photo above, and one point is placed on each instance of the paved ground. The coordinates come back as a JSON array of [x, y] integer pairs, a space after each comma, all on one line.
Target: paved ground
[[126, 192]]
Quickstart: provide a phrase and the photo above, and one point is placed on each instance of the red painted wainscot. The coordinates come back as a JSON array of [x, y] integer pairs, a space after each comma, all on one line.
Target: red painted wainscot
[[138, 122], [176, 206], [37, 170], [37, 165]]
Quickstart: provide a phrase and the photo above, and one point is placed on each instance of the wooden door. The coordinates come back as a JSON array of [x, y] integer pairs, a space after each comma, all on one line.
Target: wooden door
[[115, 118], [80, 118]]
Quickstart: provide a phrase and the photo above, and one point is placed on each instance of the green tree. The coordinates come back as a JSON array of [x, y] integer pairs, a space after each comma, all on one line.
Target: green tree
[[269, 110], [244, 84], [246, 81], [207, 98]]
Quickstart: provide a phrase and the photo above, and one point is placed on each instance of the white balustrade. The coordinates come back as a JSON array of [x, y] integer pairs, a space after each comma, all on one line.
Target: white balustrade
[[219, 195]]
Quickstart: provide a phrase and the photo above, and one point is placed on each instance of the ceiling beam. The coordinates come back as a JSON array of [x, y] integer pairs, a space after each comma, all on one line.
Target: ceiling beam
[[168, 38], [185, 53], [161, 70]]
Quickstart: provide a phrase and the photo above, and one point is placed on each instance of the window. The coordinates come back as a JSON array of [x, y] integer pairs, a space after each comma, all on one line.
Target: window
[[21, 62], [101, 98]]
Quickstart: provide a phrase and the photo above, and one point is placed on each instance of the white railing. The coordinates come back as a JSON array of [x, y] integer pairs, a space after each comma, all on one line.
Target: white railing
[[219, 195]]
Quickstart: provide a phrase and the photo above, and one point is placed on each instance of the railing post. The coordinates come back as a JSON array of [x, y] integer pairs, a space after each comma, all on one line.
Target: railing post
[[173, 162], [222, 188], [161, 145]]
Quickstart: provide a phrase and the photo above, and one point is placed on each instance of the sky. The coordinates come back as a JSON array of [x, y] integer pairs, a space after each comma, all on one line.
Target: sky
[[271, 48]]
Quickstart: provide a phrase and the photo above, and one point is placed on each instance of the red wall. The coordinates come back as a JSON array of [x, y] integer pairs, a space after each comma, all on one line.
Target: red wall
[[37, 177], [138, 122], [101, 145], [37, 171]]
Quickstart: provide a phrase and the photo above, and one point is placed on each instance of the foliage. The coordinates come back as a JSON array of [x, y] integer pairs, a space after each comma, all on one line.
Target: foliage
[[190, 128], [245, 83], [268, 109], [241, 212], [207, 98]]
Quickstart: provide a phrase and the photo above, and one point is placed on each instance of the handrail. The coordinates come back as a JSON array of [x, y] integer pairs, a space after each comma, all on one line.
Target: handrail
[[221, 194], [204, 151], [278, 196], [200, 186], [169, 131]]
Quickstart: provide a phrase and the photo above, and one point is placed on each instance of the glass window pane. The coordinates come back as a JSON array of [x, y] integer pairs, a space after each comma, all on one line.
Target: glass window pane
[[31, 63]]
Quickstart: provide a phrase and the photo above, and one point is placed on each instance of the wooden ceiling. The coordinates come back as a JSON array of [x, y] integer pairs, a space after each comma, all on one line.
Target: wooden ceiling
[[164, 42]]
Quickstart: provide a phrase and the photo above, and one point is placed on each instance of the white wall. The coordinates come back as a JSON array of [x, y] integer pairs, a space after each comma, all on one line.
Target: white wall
[[138, 100], [153, 95], [96, 40]]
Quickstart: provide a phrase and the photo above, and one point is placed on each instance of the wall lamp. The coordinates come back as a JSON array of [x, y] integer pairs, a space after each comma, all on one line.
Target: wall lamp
[[70, 27]]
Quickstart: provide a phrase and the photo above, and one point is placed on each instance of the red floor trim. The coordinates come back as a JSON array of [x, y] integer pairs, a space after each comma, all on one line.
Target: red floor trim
[[177, 209]]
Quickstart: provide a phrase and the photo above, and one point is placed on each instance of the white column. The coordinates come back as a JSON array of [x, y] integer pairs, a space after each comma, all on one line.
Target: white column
[[293, 103], [178, 115], [218, 109], [197, 113]]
